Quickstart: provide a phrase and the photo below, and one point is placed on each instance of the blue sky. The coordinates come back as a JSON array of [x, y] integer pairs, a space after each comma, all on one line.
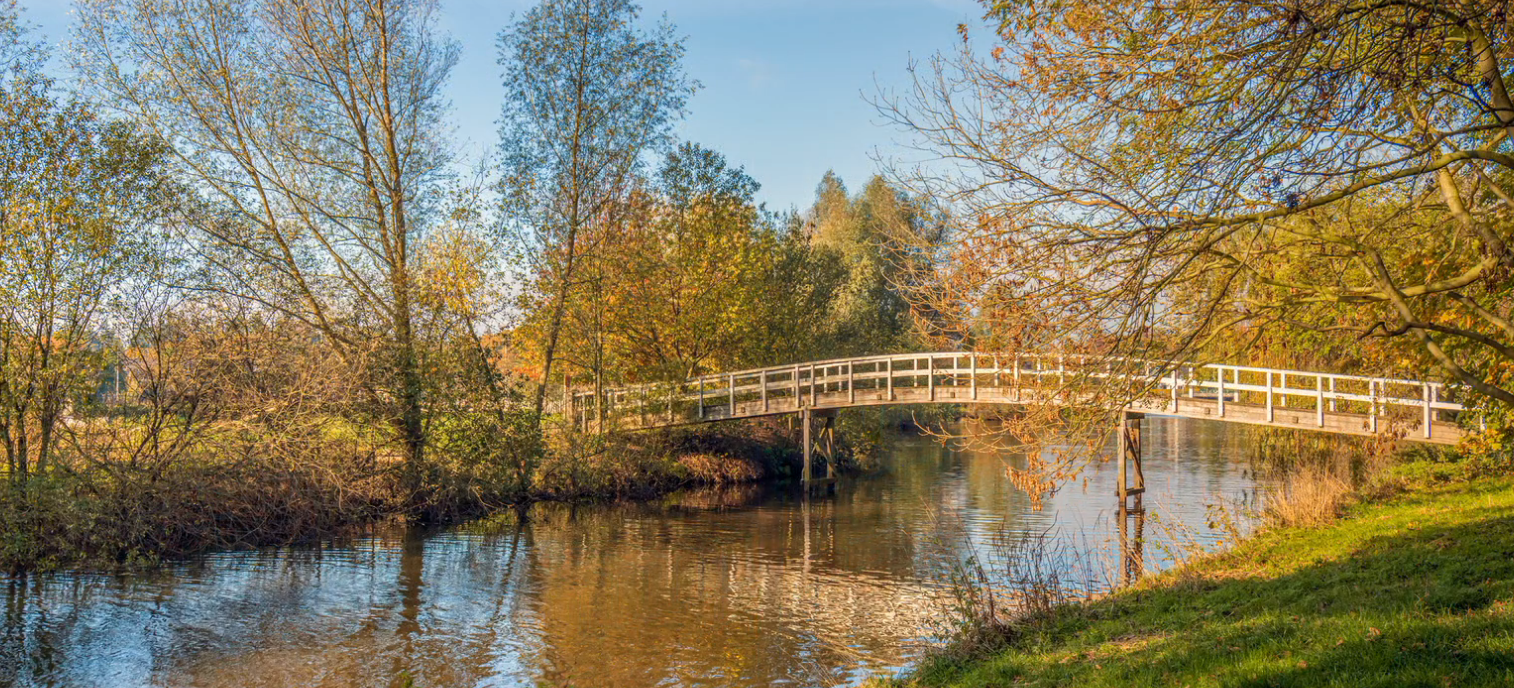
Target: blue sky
[[783, 79]]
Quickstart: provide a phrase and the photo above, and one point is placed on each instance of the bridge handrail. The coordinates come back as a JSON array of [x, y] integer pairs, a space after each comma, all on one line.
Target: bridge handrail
[[1178, 376], [1170, 365]]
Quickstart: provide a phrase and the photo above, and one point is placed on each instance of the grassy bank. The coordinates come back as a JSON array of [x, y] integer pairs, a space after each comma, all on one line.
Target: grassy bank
[[1415, 588]]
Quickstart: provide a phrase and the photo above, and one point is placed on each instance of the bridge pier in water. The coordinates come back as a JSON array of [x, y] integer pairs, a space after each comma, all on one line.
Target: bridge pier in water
[[1131, 487], [1132, 482], [811, 440]]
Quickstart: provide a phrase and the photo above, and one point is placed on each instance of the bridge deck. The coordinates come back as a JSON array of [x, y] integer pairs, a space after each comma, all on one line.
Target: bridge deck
[[1339, 404]]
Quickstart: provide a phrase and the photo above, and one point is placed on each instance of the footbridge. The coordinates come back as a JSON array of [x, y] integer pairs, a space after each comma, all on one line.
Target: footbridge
[[1414, 410], [1327, 402]]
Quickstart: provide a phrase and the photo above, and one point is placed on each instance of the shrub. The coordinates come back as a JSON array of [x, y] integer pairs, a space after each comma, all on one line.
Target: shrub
[[247, 497]]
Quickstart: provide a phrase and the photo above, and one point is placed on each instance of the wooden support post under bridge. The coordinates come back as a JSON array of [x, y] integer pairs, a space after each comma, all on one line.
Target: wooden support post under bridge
[[1132, 513], [1130, 453], [812, 439], [804, 439]]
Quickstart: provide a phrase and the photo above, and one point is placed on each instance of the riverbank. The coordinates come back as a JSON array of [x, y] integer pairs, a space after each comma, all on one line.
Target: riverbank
[[1412, 587], [123, 516]]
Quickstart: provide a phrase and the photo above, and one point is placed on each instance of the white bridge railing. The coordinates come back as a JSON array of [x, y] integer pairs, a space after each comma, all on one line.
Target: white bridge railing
[[1349, 404]]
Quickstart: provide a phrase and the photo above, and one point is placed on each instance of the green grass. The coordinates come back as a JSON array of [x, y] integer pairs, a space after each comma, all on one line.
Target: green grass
[[1417, 590]]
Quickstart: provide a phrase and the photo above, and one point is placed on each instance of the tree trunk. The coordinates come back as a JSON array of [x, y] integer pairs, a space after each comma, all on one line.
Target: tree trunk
[[23, 468], [411, 426], [44, 442], [565, 283]]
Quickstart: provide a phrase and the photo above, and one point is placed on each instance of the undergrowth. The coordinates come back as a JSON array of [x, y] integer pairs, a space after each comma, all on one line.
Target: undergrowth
[[112, 515]]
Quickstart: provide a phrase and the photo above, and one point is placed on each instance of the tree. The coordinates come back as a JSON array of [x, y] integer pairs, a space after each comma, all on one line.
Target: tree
[[680, 278], [587, 94], [884, 239], [78, 197], [1150, 181], [687, 279], [311, 134]]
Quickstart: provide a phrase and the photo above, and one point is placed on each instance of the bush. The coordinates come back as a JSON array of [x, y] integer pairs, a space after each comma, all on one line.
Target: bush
[[478, 462], [125, 516], [1489, 453], [643, 463]]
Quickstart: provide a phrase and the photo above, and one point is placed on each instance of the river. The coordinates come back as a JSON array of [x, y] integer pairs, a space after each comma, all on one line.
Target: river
[[741, 587]]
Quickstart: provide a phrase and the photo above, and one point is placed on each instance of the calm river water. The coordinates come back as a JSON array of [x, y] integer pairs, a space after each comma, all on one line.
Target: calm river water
[[749, 587]]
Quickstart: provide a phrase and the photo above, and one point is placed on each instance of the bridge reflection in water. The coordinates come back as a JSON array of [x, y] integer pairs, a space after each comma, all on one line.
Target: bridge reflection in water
[[1132, 525], [748, 587]]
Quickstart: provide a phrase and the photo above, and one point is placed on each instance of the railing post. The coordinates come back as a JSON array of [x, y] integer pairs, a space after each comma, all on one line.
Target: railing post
[[798, 398], [1174, 390], [732, 394], [1332, 394], [812, 384], [1372, 389], [764, 375], [1221, 396], [851, 382], [701, 398], [930, 375], [890, 379], [1270, 416], [1429, 412], [1017, 377], [1319, 400], [972, 365]]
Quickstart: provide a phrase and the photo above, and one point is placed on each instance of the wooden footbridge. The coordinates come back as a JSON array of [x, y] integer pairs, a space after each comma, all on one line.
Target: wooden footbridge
[[1341, 404]]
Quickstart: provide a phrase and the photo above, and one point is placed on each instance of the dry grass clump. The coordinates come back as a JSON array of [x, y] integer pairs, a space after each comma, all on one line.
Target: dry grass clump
[[1314, 476], [1309, 496], [722, 469]]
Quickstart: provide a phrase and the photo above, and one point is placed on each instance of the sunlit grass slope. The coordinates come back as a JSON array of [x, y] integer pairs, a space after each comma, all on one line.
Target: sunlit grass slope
[[1414, 590]]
